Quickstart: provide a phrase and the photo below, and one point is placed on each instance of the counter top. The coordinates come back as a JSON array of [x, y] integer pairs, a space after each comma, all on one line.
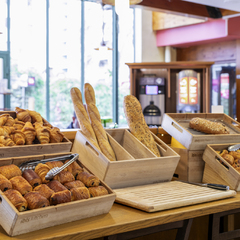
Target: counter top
[[123, 219]]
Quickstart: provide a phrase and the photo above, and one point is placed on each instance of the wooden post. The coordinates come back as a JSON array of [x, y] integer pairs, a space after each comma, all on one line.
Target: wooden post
[[238, 79]]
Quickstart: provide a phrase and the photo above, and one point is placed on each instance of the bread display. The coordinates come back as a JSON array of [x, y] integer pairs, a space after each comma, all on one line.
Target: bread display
[[96, 123], [21, 184], [60, 197], [16, 198], [10, 171], [207, 126], [82, 117], [79, 193], [137, 123], [88, 179], [35, 200], [97, 191], [5, 184], [32, 177]]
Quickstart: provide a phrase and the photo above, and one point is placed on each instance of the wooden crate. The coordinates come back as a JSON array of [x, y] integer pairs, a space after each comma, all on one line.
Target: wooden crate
[[34, 149], [177, 125], [217, 170], [15, 223], [135, 165]]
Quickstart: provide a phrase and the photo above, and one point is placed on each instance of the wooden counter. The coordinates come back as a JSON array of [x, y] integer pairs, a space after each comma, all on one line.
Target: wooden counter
[[123, 219]]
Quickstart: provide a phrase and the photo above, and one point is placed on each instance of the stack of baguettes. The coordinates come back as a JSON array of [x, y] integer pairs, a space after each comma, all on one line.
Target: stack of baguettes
[[90, 120]]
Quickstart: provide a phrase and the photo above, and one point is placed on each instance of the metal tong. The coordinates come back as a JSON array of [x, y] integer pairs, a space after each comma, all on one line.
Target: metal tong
[[234, 147]]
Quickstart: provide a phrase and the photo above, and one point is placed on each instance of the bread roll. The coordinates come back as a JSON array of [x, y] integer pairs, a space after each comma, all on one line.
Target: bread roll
[[207, 126], [88, 179], [82, 116], [137, 123], [96, 123], [16, 198], [35, 200], [21, 184]]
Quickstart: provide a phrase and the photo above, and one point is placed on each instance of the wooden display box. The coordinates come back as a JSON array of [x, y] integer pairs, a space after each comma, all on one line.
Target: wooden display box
[[217, 170], [177, 125], [34, 149], [135, 165], [15, 222]]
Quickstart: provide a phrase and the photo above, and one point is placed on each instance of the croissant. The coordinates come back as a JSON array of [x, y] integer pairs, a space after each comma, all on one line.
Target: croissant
[[35, 116], [56, 186], [74, 184], [5, 184], [64, 177], [60, 197], [55, 135], [6, 130], [18, 137], [88, 179], [21, 184], [1, 145], [43, 134], [54, 164], [97, 191], [44, 190], [10, 121], [23, 114], [35, 200], [79, 193], [74, 168], [41, 170], [3, 119], [15, 197], [46, 123], [18, 125], [6, 141], [29, 132], [32, 177], [10, 171]]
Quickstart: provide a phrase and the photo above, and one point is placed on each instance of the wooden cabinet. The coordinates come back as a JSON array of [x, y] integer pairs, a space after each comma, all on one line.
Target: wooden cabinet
[[169, 71]]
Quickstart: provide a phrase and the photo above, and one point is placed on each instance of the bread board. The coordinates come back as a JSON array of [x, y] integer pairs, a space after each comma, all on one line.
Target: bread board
[[217, 169], [16, 223], [34, 149], [135, 165], [168, 195], [177, 125]]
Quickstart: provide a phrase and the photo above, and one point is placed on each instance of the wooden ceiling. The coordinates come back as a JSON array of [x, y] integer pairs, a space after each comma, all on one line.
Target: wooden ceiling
[[183, 8]]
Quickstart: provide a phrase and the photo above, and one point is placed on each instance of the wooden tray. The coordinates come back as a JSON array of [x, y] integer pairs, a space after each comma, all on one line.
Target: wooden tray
[[177, 125], [217, 170], [168, 195], [135, 165], [15, 222], [34, 149]]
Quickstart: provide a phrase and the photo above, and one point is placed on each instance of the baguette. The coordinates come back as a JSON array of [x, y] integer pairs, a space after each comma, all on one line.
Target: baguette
[[207, 126], [96, 122], [137, 123], [82, 116]]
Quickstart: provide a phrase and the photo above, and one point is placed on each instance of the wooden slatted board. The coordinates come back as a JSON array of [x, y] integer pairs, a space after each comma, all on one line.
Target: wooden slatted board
[[168, 195]]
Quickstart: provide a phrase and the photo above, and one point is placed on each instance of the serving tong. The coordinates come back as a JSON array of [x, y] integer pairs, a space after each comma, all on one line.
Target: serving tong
[[234, 147], [54, 171]]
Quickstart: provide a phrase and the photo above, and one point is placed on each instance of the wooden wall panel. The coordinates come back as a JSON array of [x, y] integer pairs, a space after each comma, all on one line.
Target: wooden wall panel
[[217, 52]]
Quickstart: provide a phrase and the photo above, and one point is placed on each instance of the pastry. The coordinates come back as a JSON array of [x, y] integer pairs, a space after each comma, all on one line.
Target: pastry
[[3, 119], [18, 125], [35, 116], [207, 126], [137, 123], [16, 198], [22, 115], [21, 184], [97, 191], [10, 121], [10, 171], [42, 133], [82, 117], [56, 186], [88, 179], [73, 168], [18, 137], [44, 190], [60, 197], [35, 200], [29, 132], [42, 169], [64, 177], [32, 177], [5, 184], [54, 164], [7, 141], [74, 184], [79, 193], [55, 135], [96, 123]]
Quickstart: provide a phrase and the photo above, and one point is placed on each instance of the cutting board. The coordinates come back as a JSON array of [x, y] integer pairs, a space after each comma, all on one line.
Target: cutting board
[[168, 195]]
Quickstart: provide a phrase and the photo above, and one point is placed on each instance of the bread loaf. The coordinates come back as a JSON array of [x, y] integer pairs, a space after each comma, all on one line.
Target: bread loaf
[[96, 123], [207, 126], [137, 124], [82, 116]]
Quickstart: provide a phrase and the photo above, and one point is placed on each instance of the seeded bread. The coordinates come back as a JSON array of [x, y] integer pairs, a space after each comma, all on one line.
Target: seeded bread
[[137, 124]]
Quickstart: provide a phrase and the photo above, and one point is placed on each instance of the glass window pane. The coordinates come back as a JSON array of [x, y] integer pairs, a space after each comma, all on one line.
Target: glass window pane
[[3, 26], [64, 58], [28, 54], [98, 59]]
